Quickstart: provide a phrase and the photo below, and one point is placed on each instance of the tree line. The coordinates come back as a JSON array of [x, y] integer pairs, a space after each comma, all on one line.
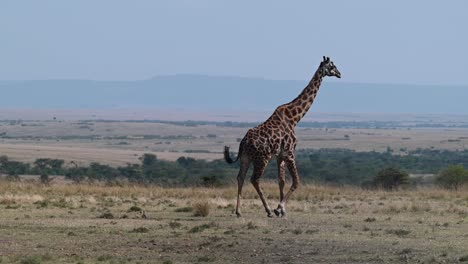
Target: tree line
[[331, 166], [305, 124]]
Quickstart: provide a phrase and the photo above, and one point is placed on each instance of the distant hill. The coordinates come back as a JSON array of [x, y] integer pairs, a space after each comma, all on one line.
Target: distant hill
[[198, 92]]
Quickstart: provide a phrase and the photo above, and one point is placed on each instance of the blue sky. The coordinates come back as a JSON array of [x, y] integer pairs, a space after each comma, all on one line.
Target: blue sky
[[412, 42]]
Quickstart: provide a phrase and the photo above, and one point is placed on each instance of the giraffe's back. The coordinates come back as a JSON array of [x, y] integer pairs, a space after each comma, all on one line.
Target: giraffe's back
[[268, 139]]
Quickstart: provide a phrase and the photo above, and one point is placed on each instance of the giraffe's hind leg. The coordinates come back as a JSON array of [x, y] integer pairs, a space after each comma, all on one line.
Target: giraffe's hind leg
[[244, 167], [259, 168], [281, 182]]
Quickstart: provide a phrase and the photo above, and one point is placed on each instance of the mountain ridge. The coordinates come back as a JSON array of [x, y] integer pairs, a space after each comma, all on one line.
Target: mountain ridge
[[210, 92]]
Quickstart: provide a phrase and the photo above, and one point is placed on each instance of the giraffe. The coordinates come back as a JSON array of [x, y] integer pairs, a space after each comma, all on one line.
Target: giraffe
[[276, 138]]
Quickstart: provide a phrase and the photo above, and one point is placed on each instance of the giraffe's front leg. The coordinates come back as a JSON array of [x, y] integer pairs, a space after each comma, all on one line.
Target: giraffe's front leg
[[291, 164]]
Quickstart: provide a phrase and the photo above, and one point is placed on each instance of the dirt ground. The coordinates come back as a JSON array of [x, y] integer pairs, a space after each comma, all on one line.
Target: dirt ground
[[104, 224]]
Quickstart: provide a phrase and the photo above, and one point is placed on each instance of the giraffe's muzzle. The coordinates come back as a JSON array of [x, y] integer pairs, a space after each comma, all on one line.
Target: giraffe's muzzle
[[337, 74]]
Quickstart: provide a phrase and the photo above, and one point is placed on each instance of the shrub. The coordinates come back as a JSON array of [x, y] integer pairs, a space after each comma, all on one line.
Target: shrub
[[106, 215], [398, 232], [204, 259], [48, 166], [98, 171], [12, 168], [76, 174], [201, 228], [391, 178], [463, 259], [148, 160], [201, 209], [210, 181], [31, 260], [452, 177], [104, 258], [140, 230], [175, 225], [251, 225], [186, 209], [135, 209]]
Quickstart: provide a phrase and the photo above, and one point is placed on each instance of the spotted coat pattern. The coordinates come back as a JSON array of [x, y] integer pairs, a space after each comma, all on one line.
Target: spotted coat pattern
[[276, 138]]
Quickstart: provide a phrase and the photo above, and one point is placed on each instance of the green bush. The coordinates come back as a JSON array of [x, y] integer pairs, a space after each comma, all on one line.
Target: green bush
[[12, 168], [333, 166], [48, 166], [391, 179], [31, 260], [452, 177]]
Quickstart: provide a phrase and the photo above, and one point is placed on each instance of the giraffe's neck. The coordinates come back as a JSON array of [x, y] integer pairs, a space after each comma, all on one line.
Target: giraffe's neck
[[298, 107]]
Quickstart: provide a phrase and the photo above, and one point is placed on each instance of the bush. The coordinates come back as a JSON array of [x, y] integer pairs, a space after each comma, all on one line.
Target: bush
[[76, 174], [201, 228], [210, 181], [31, 260], [140, 230], [106, 215], [134, 209], [97, 171], [12, 168], [48, 166], [184, 209], [391, 179], [201, 209], [452, 177]]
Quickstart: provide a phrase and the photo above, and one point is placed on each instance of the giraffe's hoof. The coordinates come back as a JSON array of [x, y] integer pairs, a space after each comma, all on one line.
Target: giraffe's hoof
[[283, 213], [270, 215], [280, 212], [238, 214], [277, 212]]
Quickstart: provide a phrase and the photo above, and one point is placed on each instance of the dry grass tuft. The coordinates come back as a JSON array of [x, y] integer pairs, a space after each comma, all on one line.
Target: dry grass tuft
[[7, 201], [201, 208], [140, 230]]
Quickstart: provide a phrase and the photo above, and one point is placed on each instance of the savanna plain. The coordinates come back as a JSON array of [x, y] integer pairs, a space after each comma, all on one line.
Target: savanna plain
[[97, 222], [84, 223]]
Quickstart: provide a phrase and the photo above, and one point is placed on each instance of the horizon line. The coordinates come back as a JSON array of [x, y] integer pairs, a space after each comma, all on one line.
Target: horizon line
[[223, 76]]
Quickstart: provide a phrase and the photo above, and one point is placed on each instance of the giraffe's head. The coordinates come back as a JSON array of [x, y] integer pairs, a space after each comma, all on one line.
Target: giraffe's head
[[328, 68]]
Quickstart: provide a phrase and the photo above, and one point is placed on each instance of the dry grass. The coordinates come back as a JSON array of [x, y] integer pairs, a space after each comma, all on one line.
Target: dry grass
[[421, 199], [201, 208], [92, 222]]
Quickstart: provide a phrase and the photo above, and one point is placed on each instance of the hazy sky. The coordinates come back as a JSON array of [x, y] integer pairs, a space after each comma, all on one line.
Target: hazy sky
[[415, 42]]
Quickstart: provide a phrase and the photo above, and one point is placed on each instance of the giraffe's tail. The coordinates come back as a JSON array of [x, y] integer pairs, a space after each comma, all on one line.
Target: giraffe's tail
[[227, 156]]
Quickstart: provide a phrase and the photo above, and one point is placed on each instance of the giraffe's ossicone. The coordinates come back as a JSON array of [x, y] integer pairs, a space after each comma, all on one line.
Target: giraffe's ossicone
[[275, 138]]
